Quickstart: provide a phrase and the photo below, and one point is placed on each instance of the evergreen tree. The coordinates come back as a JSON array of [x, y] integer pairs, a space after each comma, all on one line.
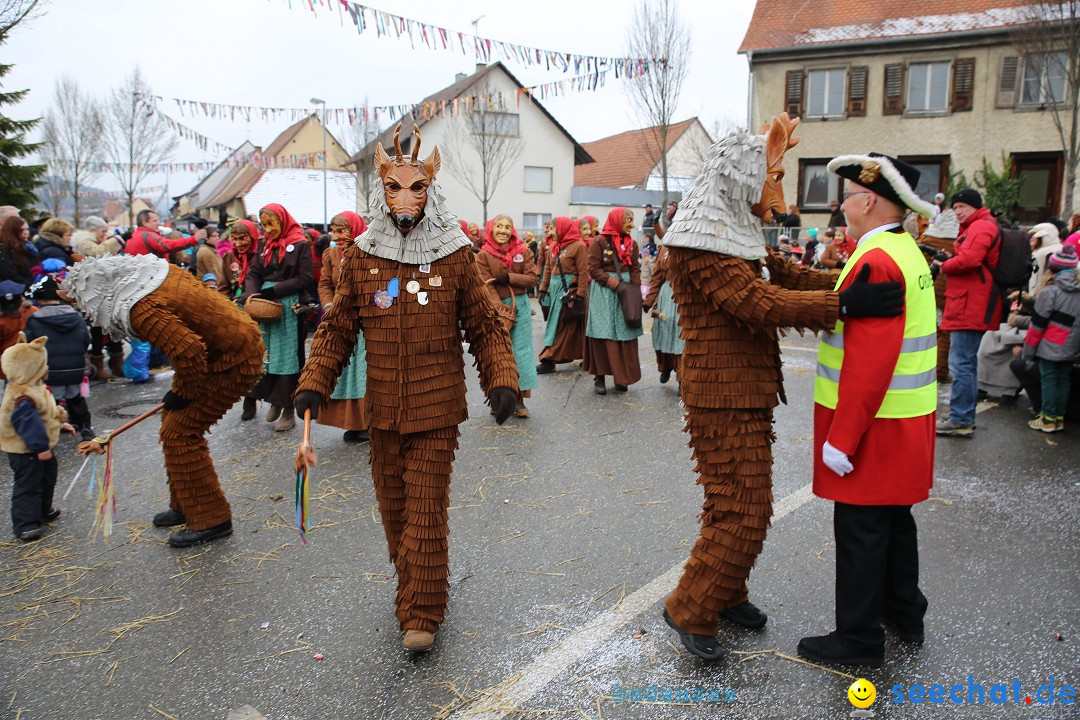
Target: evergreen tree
[[17, 182]]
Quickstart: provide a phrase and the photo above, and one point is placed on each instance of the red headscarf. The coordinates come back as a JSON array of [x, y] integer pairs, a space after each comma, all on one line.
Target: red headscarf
[[465, 227], [245, 258], [506, 252], [566, 232], [623, 244], [594, 221], [357, 226], [291, 232]]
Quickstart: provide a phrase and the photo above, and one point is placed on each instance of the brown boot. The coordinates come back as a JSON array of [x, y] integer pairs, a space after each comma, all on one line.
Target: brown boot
[[116, 363], [287, 421], [250, 405], [100, 371], [418, 640]]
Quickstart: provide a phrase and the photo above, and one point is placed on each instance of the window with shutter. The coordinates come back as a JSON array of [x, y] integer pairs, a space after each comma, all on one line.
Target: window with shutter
[[856, 100], [793, 93], [963, 84], [1006, 93], [894, 90]]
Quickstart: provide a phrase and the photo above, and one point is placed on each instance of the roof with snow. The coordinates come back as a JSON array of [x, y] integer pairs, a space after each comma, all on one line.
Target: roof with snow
[[782, 24], [301, 193]]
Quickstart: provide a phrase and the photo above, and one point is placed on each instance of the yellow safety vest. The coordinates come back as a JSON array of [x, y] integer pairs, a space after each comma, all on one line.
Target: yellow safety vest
[[913, 390]]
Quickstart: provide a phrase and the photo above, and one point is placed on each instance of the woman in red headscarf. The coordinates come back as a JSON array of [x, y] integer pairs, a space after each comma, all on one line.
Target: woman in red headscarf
[[567, 269], [611, 346], [346, 407], [508, 269], [243, 242], [280, 272], [593, 224]]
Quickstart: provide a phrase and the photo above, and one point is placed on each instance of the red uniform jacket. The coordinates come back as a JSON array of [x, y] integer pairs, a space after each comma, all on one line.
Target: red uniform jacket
[[893, 458]]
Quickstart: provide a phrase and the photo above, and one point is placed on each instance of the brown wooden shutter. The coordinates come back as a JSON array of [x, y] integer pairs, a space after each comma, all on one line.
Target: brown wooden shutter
[[1010, 72], [793, 93], [894, 90], [963, 84], [856, 91]]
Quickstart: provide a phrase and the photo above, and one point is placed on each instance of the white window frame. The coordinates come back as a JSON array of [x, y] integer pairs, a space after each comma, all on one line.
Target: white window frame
[[544, 218], [827, 74], [929, 65], [499, 123], [1044, 97], [539, 187], [832, 193]]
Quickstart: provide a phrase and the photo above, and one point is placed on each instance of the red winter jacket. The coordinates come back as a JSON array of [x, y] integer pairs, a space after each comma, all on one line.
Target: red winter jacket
[[969, 288], [148, 242]]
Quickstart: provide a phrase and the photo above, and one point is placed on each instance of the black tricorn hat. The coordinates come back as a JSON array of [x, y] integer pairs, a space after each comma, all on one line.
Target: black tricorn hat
[[889, 177]]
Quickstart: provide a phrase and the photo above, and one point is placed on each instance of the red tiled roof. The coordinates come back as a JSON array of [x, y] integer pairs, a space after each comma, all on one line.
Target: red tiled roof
[[786, 24], [624, 160]]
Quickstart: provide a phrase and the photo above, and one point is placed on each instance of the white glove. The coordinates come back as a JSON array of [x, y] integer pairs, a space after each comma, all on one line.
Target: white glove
[[836, 460]]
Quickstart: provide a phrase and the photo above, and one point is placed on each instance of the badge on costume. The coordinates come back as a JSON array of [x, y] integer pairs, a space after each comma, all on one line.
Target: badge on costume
[[374, 271], [422, 298], [413, 287], [290, 247], [435, 281], [425, 268], [385, 298], [608, 252], [518, 258]]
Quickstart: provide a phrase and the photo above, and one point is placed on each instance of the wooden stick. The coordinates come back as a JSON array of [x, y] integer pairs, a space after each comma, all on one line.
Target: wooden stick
[[157, 408], [97, 445]]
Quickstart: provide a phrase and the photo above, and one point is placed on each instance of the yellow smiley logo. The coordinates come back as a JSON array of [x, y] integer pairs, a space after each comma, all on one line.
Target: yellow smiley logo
[[862, 693]]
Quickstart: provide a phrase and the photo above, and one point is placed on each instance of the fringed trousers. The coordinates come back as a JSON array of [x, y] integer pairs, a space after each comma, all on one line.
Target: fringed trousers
[[194, 488], [412, 484], [733, 450]]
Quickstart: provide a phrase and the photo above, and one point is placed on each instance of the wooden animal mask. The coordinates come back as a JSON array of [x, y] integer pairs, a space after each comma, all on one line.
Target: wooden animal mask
[[406, 180], [778, 141]]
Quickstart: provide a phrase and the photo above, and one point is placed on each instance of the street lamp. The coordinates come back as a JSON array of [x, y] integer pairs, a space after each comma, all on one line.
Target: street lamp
[[326, 222]]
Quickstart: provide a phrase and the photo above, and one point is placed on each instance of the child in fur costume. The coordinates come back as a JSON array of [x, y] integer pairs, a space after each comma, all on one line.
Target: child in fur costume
[[30, 425]]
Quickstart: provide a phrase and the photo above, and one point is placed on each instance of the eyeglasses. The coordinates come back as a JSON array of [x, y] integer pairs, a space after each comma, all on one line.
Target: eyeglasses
[[847, 195]]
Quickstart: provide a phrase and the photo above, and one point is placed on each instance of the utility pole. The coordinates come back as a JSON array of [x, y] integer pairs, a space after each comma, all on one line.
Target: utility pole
[[326, 220]]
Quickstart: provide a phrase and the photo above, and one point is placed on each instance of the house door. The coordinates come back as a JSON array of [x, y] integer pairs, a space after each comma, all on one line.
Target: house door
[[1040, 195]]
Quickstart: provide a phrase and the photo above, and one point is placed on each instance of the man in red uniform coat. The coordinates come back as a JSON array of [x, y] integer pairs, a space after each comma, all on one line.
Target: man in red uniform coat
[[874, 425]]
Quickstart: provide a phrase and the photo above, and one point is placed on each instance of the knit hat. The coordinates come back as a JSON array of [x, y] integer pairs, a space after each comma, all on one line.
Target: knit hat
[[968, 196], [44, 289], [892, 179], [1063, 259], [93, 222], [24, 363]]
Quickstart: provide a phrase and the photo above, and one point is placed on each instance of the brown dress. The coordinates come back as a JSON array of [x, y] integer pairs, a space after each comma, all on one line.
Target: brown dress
[[216, 350], [344, 414], [730, 381], [415, 399], [665, 362], [569, 340], [618, 358]]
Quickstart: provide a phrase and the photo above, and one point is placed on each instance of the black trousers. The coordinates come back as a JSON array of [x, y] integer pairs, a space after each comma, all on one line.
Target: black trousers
[[78, 412], [1028, 374], [877, 573], [97, 342], [32, 495]]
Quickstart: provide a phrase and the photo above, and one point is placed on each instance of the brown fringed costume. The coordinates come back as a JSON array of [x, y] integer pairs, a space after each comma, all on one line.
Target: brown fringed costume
[[411, 284], [730, 368], [215, 349]]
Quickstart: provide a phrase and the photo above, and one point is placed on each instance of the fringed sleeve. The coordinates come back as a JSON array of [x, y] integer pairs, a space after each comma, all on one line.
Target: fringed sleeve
[[732, 285], [155, 323], [659, 273], [335, 340], [489, 342], [792, 276]]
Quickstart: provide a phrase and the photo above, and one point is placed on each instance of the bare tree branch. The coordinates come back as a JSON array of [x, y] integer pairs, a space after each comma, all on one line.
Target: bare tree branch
[[357, 137], [490, 133], [74, 130], [1049, 40], [657, 31], [136, 138], [13, 12]]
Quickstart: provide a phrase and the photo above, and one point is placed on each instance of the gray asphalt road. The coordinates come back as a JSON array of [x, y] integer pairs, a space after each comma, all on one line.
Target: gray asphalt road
[[568, 530]]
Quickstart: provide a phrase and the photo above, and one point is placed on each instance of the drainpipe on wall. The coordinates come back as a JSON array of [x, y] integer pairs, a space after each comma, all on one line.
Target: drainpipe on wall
[[750, 90]]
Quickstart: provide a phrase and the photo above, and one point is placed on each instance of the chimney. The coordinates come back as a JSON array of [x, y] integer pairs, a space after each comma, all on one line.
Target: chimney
[[480, 66], [459, 77]]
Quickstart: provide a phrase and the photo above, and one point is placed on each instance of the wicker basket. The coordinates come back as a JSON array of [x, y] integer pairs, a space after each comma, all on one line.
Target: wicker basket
[[265, 311], [507, 313]]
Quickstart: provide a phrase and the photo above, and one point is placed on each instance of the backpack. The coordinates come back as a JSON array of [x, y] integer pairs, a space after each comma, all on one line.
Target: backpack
[[1014, 264]]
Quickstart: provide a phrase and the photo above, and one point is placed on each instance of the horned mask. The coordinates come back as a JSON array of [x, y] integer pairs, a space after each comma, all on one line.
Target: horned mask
[[406, 180], [778, 141]]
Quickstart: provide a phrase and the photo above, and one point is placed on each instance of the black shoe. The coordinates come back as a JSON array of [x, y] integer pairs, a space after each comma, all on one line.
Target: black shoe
[[546, 367], [52, 515], [703, 646], [32, 534], [169, 518], [621, 388], [599, 387], [747, 615], [831, 650], [187, 538], [353, 436], [87, 433], [914, 637], [665, 376]]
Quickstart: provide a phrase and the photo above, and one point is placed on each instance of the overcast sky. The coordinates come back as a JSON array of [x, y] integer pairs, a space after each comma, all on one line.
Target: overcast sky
[[261, 52]]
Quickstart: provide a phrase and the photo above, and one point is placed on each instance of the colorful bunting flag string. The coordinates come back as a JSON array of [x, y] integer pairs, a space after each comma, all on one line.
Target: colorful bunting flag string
[[368, 19], [254, 159]]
